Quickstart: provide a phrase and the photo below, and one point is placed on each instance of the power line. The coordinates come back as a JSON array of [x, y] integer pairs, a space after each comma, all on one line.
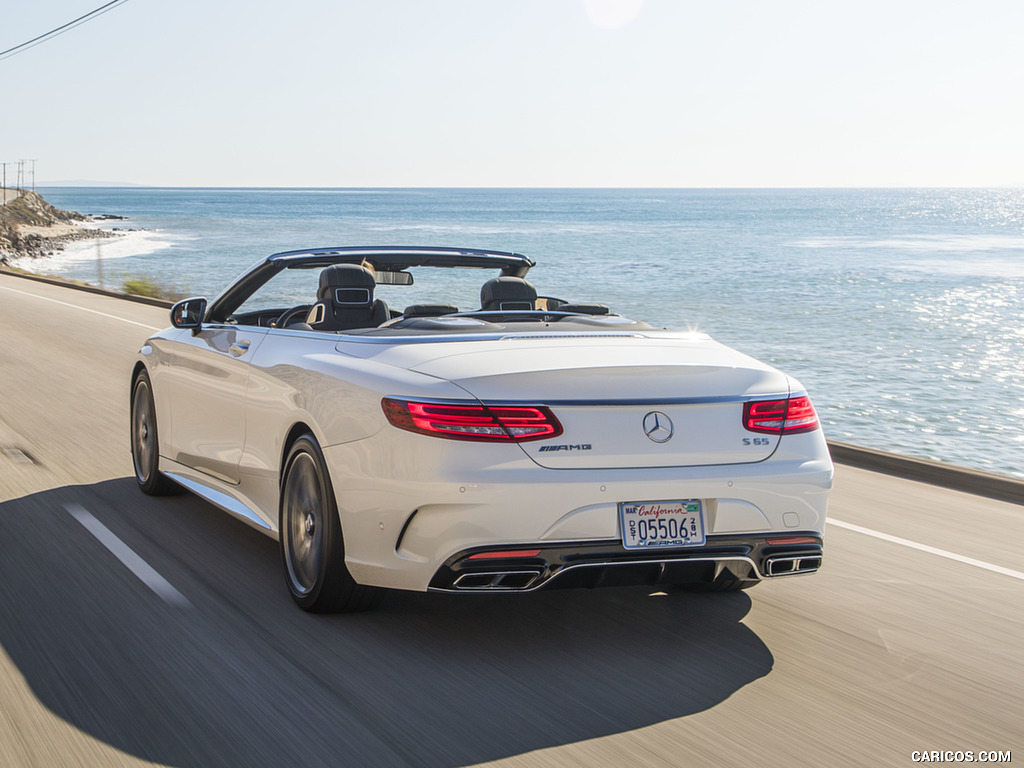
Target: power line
[[60, 30]]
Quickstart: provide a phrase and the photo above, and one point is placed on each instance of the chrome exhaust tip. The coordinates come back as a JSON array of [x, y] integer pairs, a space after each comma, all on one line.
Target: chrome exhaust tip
[[788, 565], [497, 580]]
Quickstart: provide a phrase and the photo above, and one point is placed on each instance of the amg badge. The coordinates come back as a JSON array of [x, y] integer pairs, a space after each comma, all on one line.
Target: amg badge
[[581, 447]]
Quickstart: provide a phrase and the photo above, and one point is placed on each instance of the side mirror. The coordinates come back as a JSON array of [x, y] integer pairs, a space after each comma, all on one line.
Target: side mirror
[[188, 314]]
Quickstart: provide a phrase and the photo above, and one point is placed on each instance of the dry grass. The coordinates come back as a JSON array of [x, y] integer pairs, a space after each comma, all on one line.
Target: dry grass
[[147, 286]]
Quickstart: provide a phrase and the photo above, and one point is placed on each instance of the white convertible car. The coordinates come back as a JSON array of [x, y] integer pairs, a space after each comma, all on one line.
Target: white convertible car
[[531, 443]]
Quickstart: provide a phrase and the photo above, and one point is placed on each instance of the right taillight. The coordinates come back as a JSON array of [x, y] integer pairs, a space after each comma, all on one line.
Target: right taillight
[[788, 416]]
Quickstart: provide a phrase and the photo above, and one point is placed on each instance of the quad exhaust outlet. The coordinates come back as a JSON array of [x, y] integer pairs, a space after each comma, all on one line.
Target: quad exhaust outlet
[[788, 565], [503, 580]]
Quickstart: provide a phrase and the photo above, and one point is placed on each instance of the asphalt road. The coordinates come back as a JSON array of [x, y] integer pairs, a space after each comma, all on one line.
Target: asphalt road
[[890, 649]]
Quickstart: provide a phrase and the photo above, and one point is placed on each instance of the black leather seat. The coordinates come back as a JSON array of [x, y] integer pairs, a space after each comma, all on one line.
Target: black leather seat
[[345, 300], [508, 294]]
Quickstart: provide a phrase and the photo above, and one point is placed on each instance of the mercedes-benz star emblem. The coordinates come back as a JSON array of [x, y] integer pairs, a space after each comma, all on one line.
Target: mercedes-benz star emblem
[[658, 427]]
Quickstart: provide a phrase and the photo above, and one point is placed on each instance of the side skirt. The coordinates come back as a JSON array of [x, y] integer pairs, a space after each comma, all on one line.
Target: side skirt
[[217, 494]]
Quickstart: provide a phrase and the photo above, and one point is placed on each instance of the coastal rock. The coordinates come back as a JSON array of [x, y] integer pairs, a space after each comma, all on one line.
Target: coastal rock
[[30, 211]]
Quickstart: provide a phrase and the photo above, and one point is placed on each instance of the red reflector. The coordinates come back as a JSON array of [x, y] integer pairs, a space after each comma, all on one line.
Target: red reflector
[[507, 553], [790, 416], [464, 421], [793, 540]]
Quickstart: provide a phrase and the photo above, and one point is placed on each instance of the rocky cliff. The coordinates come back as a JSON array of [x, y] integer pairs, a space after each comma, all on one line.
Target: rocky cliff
[[30, 226]]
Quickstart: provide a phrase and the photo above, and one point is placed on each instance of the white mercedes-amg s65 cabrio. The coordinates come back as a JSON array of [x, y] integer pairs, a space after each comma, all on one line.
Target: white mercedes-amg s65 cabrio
[[530, 443]]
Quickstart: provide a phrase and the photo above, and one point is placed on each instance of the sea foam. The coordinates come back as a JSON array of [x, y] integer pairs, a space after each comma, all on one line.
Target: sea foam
[[138, 242]]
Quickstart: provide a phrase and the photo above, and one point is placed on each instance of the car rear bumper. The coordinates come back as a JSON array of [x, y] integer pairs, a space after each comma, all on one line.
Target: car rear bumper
[[530, 567], [409, 515]]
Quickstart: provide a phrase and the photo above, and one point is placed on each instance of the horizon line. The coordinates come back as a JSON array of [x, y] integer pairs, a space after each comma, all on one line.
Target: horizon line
[[131, 185]]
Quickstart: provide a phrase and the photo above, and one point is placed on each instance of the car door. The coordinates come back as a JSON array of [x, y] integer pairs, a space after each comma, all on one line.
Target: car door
[[203, 381]]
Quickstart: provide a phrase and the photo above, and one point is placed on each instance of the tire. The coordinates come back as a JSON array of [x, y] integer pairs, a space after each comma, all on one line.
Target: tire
[[146, 443], [312, 548]]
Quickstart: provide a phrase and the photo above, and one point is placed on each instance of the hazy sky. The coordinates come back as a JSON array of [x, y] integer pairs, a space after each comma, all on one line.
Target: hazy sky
[[613, 93]]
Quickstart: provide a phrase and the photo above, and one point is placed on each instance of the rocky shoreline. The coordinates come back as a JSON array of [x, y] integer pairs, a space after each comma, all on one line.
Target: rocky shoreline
[[32, 228], [36, 246]]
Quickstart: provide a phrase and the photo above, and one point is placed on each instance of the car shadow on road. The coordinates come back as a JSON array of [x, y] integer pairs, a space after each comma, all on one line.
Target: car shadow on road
[[240, 676]]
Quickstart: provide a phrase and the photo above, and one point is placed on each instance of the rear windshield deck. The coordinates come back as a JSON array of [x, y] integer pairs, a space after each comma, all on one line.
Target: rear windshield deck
[[501, 323]]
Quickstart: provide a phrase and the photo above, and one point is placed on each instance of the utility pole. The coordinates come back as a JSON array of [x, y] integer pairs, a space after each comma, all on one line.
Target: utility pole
[[33, 174], [21, 176], [4, 185]]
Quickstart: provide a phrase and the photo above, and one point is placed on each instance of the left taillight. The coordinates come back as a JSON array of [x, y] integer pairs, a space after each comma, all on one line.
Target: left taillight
[[788, 416], [467, 421]]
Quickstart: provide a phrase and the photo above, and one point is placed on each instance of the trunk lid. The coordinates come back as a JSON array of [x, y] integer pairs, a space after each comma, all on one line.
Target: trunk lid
[[623, 402]]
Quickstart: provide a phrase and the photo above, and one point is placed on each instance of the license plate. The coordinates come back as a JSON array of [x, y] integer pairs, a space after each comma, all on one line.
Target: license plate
[[647, 524]]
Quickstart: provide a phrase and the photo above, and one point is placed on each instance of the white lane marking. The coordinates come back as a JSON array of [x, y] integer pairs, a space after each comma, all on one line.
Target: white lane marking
[[126, 555], [931, 550], [84, 309]]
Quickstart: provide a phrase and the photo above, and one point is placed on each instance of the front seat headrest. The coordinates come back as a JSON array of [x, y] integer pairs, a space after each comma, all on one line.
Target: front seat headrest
[[507, 294], [346, 285], [345, 300]]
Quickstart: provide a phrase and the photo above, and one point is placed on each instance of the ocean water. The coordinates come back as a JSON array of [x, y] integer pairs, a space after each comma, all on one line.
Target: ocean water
[[902, 311]]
